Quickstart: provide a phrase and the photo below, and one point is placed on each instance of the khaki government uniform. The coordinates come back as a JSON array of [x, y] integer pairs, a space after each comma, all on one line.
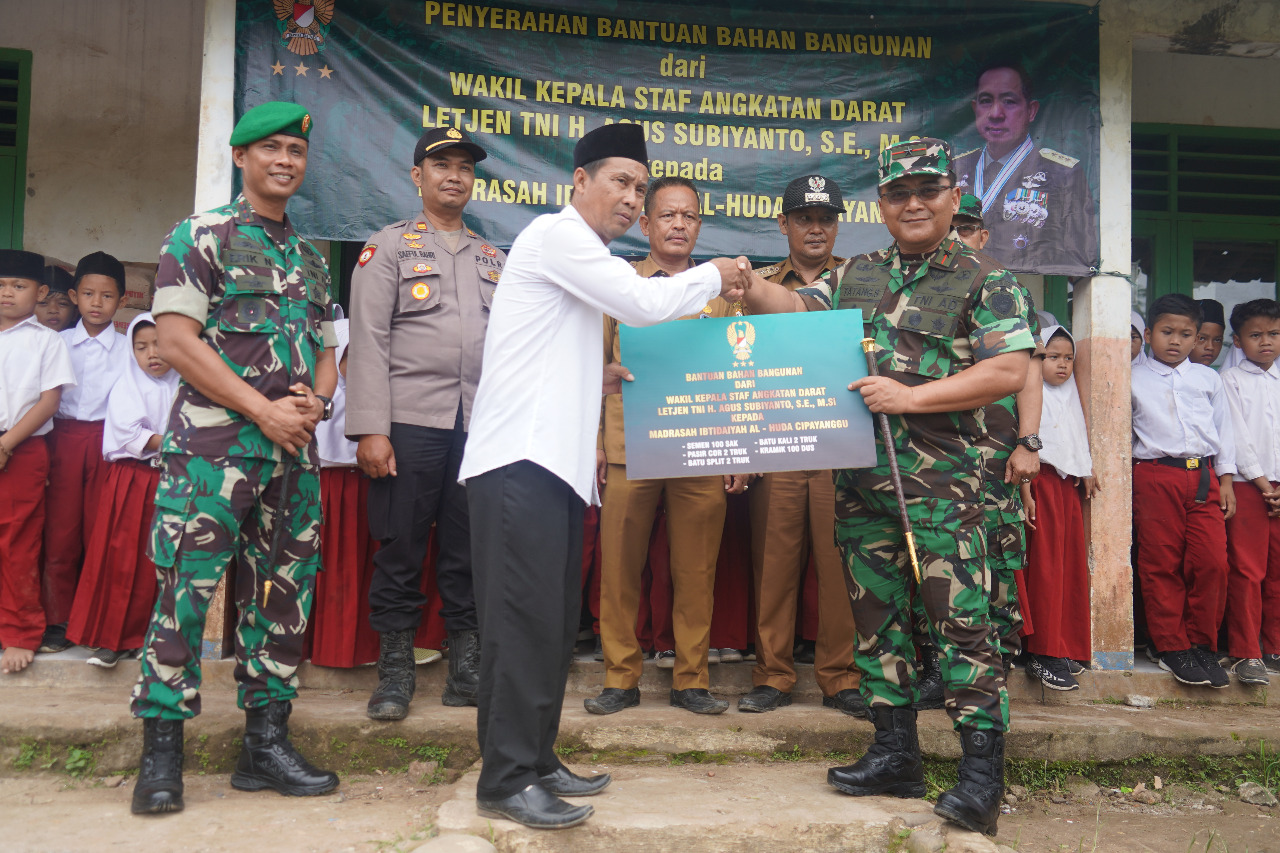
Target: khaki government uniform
[[695, 521], [791, 512]]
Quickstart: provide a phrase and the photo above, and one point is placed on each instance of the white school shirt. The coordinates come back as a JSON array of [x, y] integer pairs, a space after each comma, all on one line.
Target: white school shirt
[[98, 362], [33, 359], [1182, 412], [1254, 395], [539, 394], [137, 407], [335, 449]]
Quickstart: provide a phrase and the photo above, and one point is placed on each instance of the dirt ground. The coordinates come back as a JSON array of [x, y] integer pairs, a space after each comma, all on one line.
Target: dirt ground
[[52, 812]]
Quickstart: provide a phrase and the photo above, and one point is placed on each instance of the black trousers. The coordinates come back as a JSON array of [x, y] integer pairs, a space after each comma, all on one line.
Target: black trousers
[[526, 540], [401, 510]]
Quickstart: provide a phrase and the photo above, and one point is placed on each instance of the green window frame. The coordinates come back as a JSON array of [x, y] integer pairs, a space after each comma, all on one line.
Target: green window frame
[[15, 122]]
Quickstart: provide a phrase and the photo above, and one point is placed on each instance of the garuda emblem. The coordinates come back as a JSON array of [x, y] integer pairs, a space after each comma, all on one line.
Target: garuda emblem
[[304, 27], [742, 336]]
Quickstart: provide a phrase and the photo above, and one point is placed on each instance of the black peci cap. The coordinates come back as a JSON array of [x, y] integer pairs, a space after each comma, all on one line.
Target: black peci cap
[[812, 191], [612, 140]]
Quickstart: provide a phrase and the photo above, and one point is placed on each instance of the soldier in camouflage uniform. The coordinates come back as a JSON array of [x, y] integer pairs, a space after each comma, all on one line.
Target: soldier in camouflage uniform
[[951, 336], [243, 311]]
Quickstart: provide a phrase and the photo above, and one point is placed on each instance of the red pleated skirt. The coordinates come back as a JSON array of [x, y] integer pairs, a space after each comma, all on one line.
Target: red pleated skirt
[[1056, 590], [339, 634], [117, 588]]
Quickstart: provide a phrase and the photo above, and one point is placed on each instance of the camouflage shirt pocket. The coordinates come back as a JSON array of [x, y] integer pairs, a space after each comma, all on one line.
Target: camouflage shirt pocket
[[246, 315], [173, 508]]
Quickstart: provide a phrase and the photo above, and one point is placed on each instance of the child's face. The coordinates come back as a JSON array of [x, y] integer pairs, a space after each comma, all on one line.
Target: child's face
[[1059, 361], [146, 350], [1259, 340], [1208, 344], [1171, 337], [1135, 343], [56, 311], [18, 298], [97, 297]]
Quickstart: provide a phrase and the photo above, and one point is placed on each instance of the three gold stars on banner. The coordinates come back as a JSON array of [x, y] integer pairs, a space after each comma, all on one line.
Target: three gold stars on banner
[[301, 70]]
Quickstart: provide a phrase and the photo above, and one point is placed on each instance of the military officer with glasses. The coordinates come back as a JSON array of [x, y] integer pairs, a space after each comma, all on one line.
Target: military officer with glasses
[[951, 336]]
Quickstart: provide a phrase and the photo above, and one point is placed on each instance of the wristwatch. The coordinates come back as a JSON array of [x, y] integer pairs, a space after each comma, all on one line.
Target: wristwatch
[[1031, 442], [328, 407]]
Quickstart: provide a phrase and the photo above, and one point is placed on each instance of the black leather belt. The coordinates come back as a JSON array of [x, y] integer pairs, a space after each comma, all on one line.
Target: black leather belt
[[1204, 464]]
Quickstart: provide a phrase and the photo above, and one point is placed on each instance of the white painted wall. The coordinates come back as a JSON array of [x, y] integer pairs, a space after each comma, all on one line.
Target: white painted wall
[[1180, 88], [115, 97]]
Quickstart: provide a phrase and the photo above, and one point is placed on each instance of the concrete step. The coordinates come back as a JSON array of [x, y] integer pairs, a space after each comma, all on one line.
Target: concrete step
[[586, 676], [40, 725], [677, 810]]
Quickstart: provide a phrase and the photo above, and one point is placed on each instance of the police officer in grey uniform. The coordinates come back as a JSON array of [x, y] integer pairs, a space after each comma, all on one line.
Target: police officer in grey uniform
[[420, 298]]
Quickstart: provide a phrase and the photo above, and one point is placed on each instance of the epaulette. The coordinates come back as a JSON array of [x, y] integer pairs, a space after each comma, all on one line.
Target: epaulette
[[966, 154], [765, 272], [1058, 157]]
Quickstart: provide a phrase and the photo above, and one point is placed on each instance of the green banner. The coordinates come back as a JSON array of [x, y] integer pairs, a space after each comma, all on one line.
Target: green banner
[[740, 97], [742, 395]]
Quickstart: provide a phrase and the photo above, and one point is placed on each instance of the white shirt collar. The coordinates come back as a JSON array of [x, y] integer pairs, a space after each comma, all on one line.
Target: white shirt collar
[[1272, 372], [31, 319], [106, 337]]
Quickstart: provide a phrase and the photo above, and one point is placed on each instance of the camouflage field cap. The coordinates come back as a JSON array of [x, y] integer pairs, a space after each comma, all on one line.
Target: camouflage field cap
[[927, 156], [970, 206]]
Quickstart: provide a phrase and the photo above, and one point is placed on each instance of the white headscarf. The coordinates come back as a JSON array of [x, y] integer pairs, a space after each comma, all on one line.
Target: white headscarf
[[1135, 320], [137, 406], [331, 439], [1062, 427]]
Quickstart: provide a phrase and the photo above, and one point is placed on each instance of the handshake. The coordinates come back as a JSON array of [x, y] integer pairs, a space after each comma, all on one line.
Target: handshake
[[736, 277]]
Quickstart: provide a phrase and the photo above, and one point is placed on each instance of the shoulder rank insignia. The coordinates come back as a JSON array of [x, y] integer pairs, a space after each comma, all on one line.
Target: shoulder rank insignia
[[366, 254], [1058, 157], [421, 226]]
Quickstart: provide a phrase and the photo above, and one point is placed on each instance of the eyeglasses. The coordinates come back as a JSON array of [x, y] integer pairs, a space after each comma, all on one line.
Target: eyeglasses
[[927, 193], [968, 230]]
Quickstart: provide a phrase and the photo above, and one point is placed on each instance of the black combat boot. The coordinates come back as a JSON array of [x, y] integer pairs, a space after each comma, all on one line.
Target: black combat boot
[[397, 676], [268, 759], [463, 684], [974, 802], [891, 765], [159, 786], [929, 681]]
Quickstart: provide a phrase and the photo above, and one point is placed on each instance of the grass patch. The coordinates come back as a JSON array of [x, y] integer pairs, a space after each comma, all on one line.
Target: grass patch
[[795, 753], [699, 757]]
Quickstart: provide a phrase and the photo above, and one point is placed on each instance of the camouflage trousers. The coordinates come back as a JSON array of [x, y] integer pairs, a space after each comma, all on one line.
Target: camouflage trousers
[[951, 546], [212, 512], [1006, 554]]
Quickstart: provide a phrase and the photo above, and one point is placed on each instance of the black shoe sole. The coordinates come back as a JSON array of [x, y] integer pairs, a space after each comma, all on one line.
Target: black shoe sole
[[709, 711], [501, 815], [244, 782], [955, 815], [166, 807], [902, 790], [387, 711], [781, 702], [599, 710], [457, 700]]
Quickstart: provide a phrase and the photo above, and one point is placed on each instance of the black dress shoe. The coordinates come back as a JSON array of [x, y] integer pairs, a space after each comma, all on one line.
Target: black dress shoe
[[535, 808], [565, 783], [848, 701], [763, 698], [612, 700], [698, 700]]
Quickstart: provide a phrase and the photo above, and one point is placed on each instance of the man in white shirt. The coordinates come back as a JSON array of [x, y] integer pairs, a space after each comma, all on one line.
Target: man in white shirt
[[530, 463]]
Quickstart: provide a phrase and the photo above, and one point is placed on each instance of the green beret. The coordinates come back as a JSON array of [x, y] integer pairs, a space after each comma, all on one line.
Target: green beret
[[971, 206], [272, 117]]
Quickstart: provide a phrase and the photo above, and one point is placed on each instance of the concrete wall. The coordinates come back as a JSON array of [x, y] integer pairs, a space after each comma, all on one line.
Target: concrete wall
[[115, 96], [1178, 88]]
